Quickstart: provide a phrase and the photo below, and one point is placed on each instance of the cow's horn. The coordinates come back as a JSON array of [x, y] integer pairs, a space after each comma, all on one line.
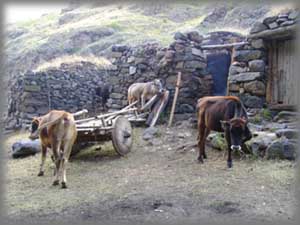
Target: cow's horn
[[238, 111]]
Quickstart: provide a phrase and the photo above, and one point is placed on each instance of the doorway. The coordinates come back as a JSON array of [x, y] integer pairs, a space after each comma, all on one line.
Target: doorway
[[218, 64]]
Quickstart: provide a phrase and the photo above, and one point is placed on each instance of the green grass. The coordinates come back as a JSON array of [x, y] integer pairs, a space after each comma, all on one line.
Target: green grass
[[192, 23], [266, 114], [134, 26], [131, 25], [115, 25], [257, 119], [101, 62]]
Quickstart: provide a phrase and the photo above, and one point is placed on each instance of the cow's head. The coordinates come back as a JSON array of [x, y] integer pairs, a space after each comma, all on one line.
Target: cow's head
[[34, 134], [158, 85], [238, 131]]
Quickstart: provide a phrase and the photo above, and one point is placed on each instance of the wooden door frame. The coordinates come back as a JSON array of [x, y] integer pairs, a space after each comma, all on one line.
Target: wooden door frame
[[273, 71], [270, 75]]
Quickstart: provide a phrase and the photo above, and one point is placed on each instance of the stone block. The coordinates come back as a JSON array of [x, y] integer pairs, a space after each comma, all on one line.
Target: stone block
[[245, 77]]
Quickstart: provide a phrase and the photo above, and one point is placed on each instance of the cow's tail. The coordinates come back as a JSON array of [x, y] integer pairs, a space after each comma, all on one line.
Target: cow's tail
[[198, 104], [50, 123]]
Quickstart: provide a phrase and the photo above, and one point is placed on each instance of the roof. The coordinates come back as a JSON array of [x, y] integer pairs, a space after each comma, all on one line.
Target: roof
[[279, 33]]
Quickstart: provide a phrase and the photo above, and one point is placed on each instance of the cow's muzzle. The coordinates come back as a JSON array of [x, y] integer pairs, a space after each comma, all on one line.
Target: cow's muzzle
[[33, 136], [235, 147]]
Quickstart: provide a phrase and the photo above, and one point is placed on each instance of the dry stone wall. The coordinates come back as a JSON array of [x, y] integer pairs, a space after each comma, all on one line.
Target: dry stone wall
[[72, 87], [147, 62], [69, 87], [247, 73]]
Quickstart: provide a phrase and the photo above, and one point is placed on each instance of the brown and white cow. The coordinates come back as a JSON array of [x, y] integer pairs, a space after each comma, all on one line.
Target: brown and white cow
[[144, 91], [56, 130], [222, 114]]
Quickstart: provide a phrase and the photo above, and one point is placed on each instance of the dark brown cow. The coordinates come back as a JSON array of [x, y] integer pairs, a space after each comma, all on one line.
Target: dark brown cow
[[222, 114], [103, 92], [56, 130]]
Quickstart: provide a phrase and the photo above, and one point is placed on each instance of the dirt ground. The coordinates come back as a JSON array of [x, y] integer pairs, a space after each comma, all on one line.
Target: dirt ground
[[155, 182]]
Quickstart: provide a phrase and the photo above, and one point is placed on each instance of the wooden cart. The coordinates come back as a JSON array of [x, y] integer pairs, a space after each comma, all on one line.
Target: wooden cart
[[116, 126]]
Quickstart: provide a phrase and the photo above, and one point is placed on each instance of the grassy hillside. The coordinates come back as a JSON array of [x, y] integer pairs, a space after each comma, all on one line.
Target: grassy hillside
[[91, 30]]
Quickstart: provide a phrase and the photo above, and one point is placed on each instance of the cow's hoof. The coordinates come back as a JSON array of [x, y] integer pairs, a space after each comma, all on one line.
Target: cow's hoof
[[63, 185], [41, 173], [56, 182], [200, 160], [204, 156], [229, 164]]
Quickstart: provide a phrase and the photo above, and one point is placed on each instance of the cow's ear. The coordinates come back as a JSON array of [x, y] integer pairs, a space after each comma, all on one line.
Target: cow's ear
[[224, 124]]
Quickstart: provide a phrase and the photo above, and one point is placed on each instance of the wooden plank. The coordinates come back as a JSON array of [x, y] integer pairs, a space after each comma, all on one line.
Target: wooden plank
[[125, 108], [280, 73], [161, 107], [281, 107], [221, 46], [281, 77], [122, 111], [149, 103], [288, 91], [158, 109], [292, 81], [80, 113], [175, 98], [294, 73], [270, 74], [93, 128], [275, 73], [133, 119]]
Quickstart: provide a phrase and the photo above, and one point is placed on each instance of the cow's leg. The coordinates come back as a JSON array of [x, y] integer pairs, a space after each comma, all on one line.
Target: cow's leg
[[55, 160], [229, 159], [201, 143], [66, 155], [56, 152], [54, 156], [206, 133], [44, 154]]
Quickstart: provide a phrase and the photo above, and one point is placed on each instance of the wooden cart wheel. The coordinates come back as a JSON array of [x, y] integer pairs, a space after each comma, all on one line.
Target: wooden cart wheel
[[122, 135]]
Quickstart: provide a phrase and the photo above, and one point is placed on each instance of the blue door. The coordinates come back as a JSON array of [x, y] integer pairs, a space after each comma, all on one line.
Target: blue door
[[218, 66]]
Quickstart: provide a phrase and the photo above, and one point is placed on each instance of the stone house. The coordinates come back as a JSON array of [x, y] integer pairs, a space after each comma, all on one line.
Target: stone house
[[264, 70]]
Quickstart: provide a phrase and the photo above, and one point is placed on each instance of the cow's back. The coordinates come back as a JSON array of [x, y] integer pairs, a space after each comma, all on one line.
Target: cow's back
[[65, 129], [136, 89], [213, 109]]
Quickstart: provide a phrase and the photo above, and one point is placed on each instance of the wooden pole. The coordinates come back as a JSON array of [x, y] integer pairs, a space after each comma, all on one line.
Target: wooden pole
[[125, 110], [80, 113], [159, 109], [175, 98], [230, 45]]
